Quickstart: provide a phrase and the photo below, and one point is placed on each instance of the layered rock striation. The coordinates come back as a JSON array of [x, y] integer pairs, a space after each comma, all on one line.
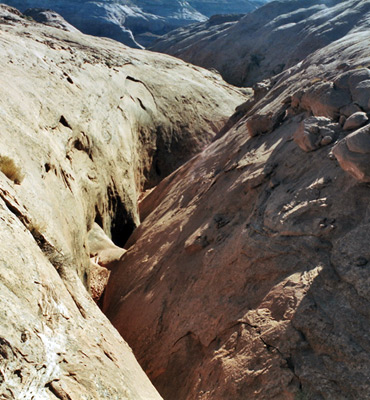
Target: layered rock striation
[[87, 124]]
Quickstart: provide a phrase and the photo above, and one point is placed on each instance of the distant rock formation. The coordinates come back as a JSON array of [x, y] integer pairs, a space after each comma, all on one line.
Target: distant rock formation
[[213, 7], [136, 23], [267, 41], [50, 18], [87, 124], [249, 275]]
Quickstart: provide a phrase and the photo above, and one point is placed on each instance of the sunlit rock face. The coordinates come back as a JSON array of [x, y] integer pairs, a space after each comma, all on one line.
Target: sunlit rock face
[[249, 276], [136, 23], [267, 41], [86, 125]]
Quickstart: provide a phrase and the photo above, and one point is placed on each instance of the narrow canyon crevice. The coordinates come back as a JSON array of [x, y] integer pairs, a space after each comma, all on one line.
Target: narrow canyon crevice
[[232, 259]]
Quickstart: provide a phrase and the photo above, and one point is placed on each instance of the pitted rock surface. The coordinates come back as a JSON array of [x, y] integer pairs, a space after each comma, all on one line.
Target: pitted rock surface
[[248, 277]]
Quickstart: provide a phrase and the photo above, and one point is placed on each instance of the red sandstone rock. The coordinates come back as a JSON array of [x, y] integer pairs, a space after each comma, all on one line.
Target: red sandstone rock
[[248, 278]]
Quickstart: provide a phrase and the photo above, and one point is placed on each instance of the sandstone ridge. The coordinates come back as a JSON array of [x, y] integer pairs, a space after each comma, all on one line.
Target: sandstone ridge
[[249, 275], [87, 124], [268, 40]]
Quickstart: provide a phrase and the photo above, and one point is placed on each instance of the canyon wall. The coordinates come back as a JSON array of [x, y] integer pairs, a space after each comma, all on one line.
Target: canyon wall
[[248, 277], [86, 125]]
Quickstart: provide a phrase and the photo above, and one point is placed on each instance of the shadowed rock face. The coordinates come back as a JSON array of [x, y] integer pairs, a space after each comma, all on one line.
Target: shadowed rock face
[[86, 124], [267, 41], [249, 277], [138, 22]]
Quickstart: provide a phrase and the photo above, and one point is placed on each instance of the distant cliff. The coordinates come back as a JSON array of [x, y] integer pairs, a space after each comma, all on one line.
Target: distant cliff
[[267, 41], [138, 22]]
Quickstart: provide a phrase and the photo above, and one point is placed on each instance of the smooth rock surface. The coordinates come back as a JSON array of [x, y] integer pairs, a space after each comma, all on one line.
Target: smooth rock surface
[[269, 40], [86, 124], [248, 278], [356, 120]]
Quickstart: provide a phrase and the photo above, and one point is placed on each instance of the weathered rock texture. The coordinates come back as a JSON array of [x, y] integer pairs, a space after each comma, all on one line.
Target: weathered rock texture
[[136, 22], [86, 124], [249, 277], [267, 41]]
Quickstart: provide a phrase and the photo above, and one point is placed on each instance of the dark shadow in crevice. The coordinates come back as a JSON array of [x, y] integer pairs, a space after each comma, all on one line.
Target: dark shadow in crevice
[[98, 217], [64, 122], [122, 223]]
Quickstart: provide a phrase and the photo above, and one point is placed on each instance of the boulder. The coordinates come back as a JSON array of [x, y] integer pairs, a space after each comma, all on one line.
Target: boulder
[[352, 153], [314, 132], [360, 94], [355, 121], [258, 124], [322, 99], [350, 109]]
